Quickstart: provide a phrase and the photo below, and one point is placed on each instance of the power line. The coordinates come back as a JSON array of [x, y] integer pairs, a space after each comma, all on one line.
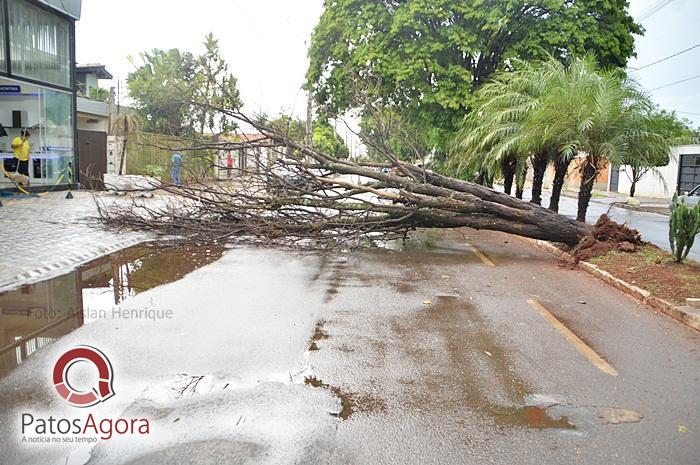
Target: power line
[[676, 82], [688, 113], [643, 12], [654, 9], [667, 58]]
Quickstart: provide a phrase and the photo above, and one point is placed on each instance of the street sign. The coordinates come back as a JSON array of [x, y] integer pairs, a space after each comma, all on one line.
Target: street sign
[[9, 89]]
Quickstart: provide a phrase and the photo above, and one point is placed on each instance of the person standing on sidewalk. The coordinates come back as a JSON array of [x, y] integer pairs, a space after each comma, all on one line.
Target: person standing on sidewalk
[[21, 149], [229, 166], [176, 161]]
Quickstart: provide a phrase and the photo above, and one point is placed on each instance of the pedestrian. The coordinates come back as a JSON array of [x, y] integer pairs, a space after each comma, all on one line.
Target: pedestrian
[[176, 161], [21, 149], [229, 165]]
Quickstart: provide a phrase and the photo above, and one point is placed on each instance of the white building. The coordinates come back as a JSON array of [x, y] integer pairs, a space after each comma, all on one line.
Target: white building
[[682, 174]]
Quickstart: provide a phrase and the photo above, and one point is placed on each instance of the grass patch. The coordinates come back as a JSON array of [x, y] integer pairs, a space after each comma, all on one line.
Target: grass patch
[[654, 270]]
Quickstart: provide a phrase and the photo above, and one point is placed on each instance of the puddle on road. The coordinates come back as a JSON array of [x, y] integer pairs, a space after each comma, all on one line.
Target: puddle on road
[[319, 334], [349, 402], [529, 417], [35, 315], [488, 383]]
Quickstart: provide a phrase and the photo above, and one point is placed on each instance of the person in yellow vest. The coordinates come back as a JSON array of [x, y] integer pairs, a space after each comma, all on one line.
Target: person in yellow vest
[[21, 148]]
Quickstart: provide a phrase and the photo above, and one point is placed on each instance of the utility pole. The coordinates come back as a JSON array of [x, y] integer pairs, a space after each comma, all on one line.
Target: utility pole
[[309, 117]]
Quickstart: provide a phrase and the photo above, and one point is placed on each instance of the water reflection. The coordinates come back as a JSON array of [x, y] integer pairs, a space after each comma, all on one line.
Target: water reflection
[[37, 314]]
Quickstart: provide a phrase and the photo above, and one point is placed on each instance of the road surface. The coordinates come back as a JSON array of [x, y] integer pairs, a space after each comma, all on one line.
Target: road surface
[[465, 348]]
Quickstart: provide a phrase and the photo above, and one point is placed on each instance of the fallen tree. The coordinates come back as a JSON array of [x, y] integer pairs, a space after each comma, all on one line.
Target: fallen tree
[[298, 193]]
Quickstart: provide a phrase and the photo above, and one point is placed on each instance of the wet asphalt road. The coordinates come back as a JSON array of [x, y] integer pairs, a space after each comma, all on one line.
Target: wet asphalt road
[[433, 354]]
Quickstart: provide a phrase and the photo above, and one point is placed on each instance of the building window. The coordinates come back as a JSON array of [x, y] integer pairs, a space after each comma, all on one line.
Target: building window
[[39, 44], [3, 61], [48, 115]]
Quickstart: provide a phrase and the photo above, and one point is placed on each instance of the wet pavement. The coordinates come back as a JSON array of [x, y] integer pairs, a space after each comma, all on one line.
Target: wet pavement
[[429, 353], [47, 235]]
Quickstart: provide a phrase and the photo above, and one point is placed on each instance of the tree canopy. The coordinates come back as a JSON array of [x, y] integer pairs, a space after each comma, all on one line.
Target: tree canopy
[[426, 56], [324, 136], [166, 83]]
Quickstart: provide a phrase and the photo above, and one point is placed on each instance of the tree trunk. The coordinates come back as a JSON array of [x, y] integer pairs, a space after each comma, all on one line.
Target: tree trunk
[[508, 170], [633, 187], [561, 168], [124, 142], [588, 175], [539, 166], [519, 185]]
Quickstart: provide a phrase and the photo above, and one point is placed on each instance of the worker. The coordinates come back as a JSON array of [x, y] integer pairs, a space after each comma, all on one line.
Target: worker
[[176, 161], [21, 149]]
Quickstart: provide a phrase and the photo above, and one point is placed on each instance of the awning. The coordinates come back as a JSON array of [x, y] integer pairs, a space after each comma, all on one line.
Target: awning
[[70, 7]]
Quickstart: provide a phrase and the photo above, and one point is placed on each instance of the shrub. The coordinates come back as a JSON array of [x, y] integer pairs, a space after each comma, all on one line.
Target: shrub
[[684, 226]]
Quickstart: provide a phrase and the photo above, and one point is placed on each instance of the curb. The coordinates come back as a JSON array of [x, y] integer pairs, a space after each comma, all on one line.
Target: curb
[[687, 315]]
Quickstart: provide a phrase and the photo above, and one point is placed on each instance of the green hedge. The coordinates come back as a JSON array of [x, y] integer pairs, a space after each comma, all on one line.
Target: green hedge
[[149, 154]]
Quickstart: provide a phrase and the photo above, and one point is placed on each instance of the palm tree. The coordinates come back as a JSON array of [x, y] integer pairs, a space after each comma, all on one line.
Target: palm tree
[[591, 117], [551, 112], [498, 134]]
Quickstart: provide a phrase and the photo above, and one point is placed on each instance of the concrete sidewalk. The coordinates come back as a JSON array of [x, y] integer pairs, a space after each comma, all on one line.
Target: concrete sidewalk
[[49, 235]]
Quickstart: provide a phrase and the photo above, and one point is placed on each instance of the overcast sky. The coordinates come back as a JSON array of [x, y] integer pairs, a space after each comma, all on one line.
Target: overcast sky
[[265, 43]]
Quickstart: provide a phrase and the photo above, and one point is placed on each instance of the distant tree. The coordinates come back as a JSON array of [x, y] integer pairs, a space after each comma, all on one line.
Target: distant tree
[[294, 128], [98, 93], [426, 56], [324, 137], [164, 86], [213, 84], [326, 140], [161, 89]]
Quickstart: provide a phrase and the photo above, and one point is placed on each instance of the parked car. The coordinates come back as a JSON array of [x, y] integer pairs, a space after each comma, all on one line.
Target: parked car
[[691, 198]]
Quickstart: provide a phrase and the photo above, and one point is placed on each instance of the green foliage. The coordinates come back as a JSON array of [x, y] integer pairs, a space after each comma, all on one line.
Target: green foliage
[[164, 86], [561, 110], [423, 57], [98, 93], [683, 227], [214, 85], [386, 130], [156, 171], [160, 88], [150, 154], [294, 128], [326, 140]]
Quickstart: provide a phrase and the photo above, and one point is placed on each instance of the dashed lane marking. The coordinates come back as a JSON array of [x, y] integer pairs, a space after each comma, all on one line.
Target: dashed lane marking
[[581, 346], [478, 253]]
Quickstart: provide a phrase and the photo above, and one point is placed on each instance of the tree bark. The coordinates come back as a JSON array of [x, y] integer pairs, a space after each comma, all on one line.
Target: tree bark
[[633, 187], [508, 171], [519, 185], [539, 166], [561, 168], [588, 175]]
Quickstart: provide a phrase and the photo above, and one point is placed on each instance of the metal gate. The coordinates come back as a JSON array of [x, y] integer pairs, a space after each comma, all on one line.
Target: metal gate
[[688, 172], [92, 158], [614, 178]]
